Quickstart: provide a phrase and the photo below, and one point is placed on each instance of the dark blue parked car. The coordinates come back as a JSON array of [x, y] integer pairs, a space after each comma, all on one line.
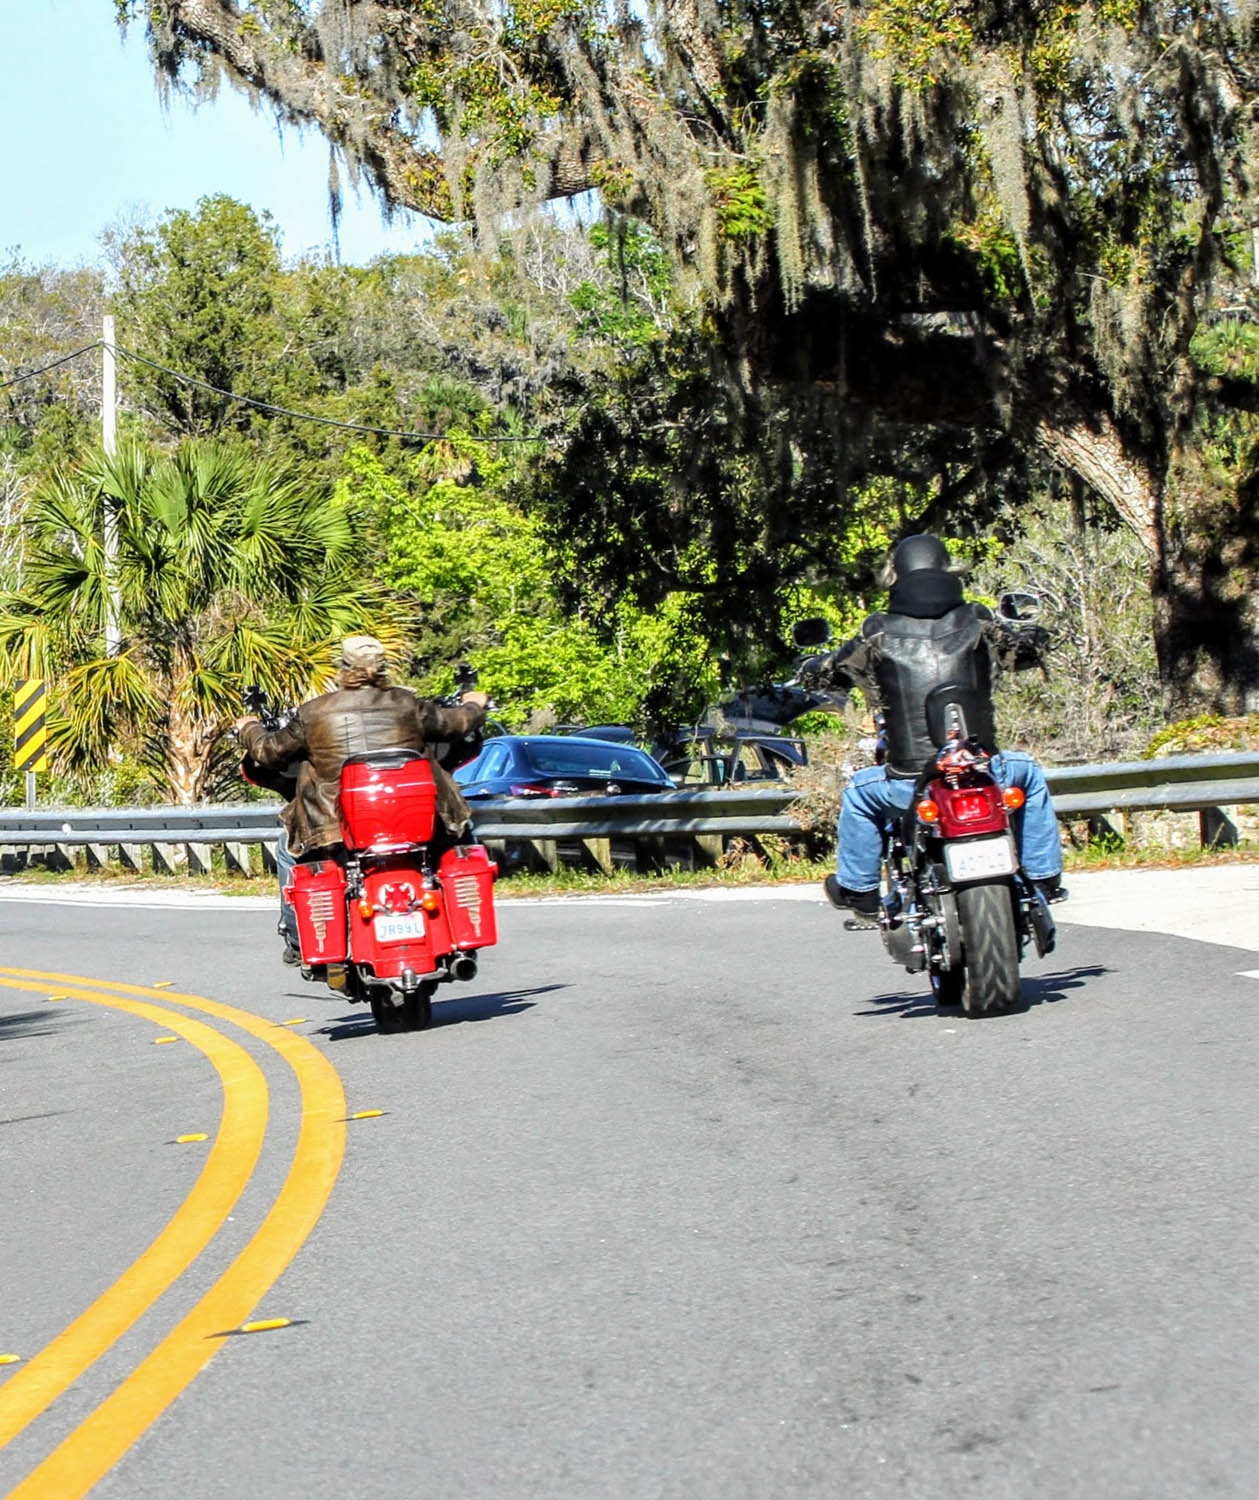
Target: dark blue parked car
[[549, 765]]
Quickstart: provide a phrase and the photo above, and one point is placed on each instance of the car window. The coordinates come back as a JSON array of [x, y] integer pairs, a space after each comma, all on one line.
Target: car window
[[693, 767], [492, 761], [749, 766], [577, 758]]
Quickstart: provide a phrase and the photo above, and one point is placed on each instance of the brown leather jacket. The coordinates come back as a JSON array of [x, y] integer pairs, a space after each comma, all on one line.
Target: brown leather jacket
[[325, 732]]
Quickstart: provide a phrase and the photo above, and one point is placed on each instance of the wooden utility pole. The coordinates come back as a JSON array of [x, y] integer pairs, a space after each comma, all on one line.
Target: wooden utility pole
[[109, 439]]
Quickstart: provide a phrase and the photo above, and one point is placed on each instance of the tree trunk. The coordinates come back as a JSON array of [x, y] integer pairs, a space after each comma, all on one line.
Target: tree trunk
[[189, 744], [1206, 629]]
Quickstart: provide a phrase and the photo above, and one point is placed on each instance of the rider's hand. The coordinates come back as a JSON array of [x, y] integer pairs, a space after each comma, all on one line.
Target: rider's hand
[[476, 698], [242, 722]]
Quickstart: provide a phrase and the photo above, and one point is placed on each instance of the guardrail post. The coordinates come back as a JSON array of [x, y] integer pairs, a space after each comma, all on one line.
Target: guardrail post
[[268, 857], [131, 857], [199, 859], [97, 856], [165, 859], [239, 857], [649, 853], [1216, 830], [709, 847], [1102, 831], [545, 852], [599, 852]]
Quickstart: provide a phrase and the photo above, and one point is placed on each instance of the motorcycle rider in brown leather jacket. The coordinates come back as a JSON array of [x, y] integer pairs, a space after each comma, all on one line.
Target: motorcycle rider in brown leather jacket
[[364, 712]]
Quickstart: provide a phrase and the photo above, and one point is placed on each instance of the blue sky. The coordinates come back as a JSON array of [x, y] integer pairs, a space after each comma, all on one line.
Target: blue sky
[[85, 143]]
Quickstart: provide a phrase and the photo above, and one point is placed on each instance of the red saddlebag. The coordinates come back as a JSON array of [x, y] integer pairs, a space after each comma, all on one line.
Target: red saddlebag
[[388, 801], [317, 895], [466, 875]]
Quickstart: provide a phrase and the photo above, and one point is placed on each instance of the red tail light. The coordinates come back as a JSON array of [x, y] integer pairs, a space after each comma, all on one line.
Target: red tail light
[[532, 789], [969, 807]]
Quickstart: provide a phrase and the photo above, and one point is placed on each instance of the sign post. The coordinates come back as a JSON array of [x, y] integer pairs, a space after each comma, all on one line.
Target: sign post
[[30, 731]]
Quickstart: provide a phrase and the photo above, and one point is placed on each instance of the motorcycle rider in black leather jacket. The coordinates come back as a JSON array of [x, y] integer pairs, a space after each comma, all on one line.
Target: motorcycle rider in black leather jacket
[[930, 635]]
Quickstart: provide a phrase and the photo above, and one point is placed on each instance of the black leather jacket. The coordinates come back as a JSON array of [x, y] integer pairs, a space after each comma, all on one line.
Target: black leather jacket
[[899, 657]]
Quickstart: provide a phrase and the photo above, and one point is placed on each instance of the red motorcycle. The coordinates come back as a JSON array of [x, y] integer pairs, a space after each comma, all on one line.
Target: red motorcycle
[[388, 924], [955, 899], [393, 918]]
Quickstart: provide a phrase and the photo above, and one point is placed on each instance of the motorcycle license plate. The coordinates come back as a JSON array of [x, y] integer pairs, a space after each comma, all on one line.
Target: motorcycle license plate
[[980, 859], [401, 928]]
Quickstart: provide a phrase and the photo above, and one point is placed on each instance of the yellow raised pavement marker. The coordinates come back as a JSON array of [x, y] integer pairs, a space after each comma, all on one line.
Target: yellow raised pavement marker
[[366, 1114], [10, 1359], [265, 1325], [187, 1140]]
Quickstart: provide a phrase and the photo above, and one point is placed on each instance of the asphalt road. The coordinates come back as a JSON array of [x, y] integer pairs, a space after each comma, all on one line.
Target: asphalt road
[[681, 1198]]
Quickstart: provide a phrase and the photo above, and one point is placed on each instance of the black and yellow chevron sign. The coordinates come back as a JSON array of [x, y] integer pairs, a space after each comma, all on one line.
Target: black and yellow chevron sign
[[30, 724]]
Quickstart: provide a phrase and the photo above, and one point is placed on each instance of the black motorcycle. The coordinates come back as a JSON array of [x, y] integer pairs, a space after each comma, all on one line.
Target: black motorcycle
[[955, 902]]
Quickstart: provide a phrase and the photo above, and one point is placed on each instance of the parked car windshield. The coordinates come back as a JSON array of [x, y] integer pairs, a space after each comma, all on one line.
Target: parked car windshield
[[576, 757]]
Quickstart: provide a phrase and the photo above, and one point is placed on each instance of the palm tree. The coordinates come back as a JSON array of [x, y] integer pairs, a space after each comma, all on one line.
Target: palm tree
[[224, 573]]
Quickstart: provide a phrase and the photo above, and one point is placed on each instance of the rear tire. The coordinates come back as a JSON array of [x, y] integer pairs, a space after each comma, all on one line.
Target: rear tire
[[388, 1016], [991, 946], [417, 1008], [413, 1013]]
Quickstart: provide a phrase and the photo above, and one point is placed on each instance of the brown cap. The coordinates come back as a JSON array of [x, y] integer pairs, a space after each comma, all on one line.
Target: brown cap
[[362, 651]]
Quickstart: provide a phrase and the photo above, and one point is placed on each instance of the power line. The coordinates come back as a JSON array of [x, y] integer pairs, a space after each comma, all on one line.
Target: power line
[[265, 406], [43, 369]]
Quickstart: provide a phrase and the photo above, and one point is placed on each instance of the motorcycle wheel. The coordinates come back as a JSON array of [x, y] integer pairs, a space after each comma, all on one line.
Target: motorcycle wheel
[[418, 1008], [414, 1014], [387, 1016], [991, 947]]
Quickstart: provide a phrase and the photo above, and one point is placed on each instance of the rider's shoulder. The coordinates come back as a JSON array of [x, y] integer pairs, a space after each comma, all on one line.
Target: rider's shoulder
[[982, 612], [872, 627]]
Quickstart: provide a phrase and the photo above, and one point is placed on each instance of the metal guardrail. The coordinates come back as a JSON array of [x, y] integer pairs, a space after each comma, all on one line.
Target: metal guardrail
[[1181, 782], [1186, 783]]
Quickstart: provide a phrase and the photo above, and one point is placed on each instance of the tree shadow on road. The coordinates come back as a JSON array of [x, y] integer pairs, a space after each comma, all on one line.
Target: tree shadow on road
[[1038, 989], [449, 1012]]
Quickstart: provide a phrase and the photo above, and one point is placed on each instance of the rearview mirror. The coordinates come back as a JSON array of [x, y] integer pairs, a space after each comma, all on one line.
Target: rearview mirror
[[1019, 608], [806, 634]]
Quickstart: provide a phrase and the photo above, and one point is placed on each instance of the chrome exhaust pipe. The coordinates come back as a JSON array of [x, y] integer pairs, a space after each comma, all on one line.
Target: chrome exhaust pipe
[[463, 966]]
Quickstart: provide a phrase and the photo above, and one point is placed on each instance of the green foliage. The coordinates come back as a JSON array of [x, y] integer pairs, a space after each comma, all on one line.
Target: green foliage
[[1229, 347], [486, 585], [1205, 734], [1098, 697], [45, 314], [741, 202], [627, 305], [224, 573], [921, 40], [197, 294]]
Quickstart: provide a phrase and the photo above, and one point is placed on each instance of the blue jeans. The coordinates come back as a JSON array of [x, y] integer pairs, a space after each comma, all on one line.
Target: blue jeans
[[284, 862], [872, 797]]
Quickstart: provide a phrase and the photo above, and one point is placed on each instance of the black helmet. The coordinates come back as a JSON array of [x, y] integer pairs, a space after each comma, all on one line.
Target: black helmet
[[917, 554]]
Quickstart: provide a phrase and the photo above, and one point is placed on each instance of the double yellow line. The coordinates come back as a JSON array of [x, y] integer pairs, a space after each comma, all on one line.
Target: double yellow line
[[93, 1448]]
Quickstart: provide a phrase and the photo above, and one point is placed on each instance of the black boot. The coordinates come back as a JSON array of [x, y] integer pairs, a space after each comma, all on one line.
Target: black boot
[[862, 903], [1051, 888]]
